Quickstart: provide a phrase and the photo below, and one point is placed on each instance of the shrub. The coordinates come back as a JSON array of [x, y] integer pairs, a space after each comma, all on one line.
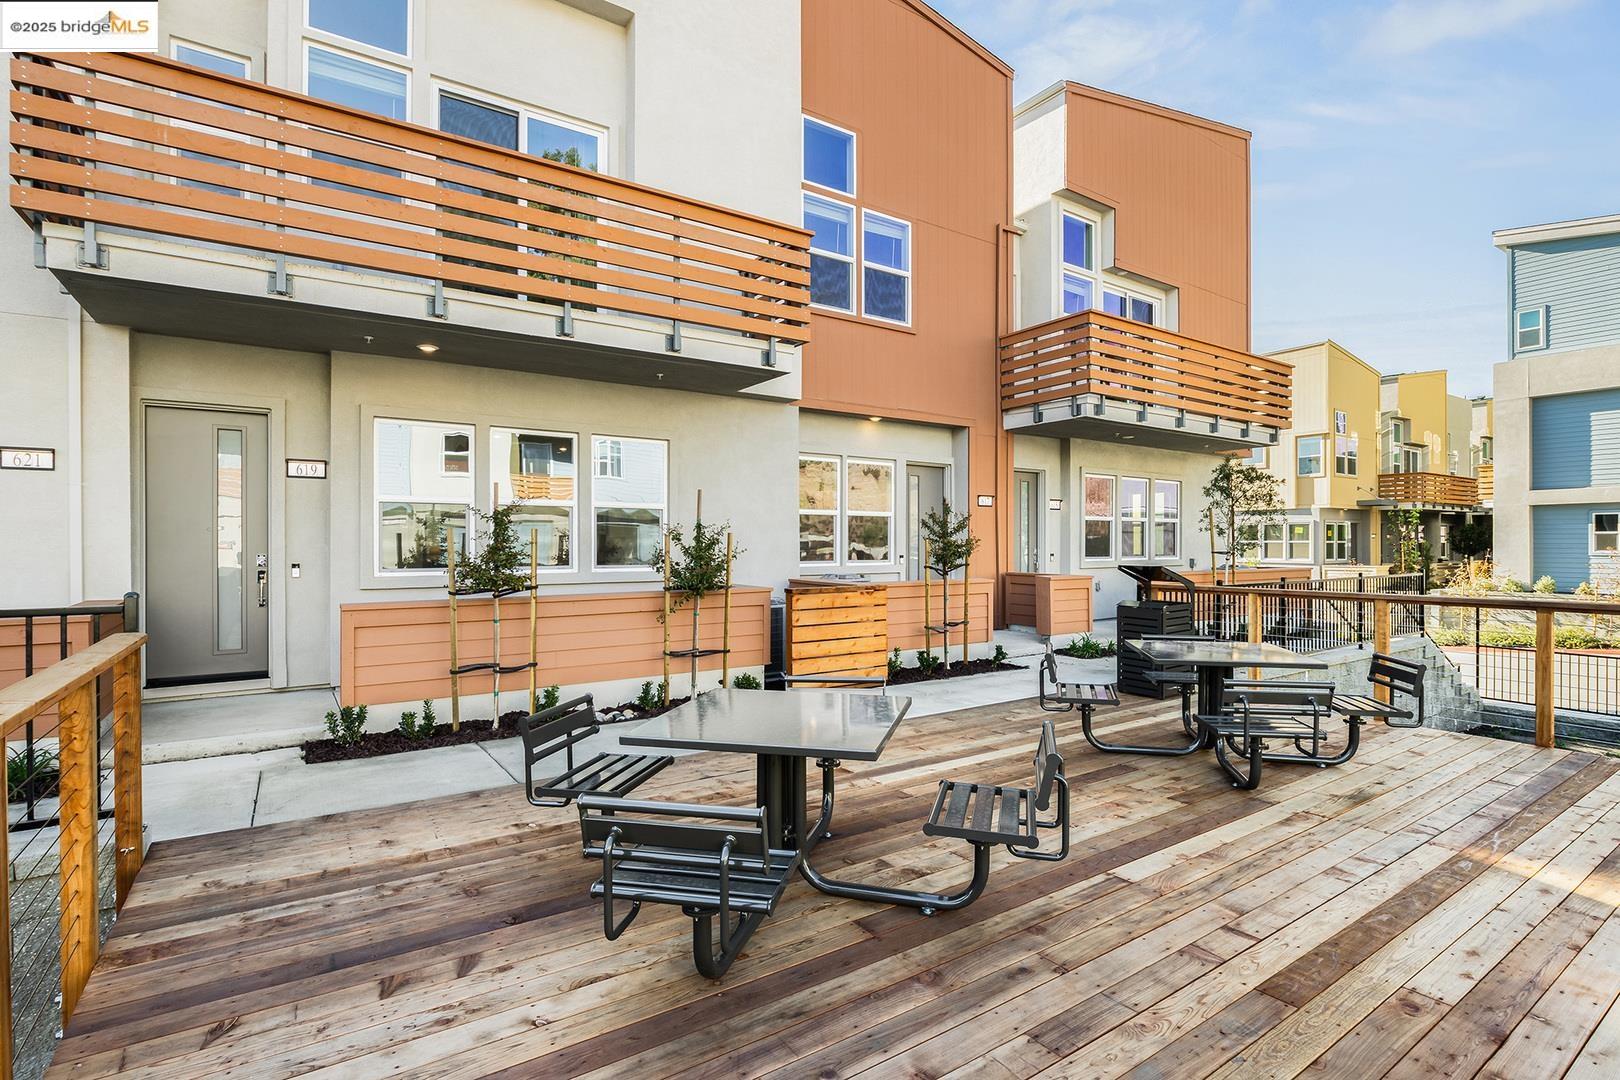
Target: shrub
[[549, 698], [1586, 591], [927, 662], [1546, 584], [1497, 637], [1577, 637], [1446, 635], [745, 681], [1510, 585], [413, 728], [999, 656], [347, 724], [1086, 647], [36, 771], [651, 696], [894, 662]]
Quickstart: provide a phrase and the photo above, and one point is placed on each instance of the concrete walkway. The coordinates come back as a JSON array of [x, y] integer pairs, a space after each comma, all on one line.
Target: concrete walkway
[[227, 763]]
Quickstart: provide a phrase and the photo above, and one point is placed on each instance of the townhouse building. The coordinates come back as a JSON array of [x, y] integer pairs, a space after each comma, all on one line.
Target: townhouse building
[[1557, 463], [1427, 457], [295, 298]]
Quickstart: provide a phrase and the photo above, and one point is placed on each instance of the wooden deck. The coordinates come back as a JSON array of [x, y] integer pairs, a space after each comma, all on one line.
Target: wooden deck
[[1443, 905]]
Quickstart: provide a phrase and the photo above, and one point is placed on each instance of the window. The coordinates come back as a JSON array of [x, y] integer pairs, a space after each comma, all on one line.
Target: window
[[829, 156], [1344, 455], [818, 509], [420, 502], [885, 267], [607, 459], [535, 470], [1274, 542], [628, 500], [1133, 518], [1299, 541], [382, 23], [359, 84], [1337, 541], [832, 252], [1099, 517], [1076, 293], [225, 64], [1248, 543], [1530, 328], [1486, 450], [1341, 423], [564, 143], [1308, 451], [1605, 534], [455, 456], [870, 511], [477, 120], [1256, 458], [1126, 306], [1077, 232], [1166, 519]]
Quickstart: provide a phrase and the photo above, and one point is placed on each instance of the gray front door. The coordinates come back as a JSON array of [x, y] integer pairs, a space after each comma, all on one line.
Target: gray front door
[[925, 492], [207, 551], [1026, 491]]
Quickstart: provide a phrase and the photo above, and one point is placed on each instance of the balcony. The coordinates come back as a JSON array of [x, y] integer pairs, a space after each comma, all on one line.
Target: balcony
[[1095, 376], [1486, 476], [1429, 489], [152, 185]]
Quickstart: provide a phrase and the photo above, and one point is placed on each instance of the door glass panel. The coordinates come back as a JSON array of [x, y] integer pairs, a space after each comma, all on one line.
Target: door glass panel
[[914, 525], [230, 563]]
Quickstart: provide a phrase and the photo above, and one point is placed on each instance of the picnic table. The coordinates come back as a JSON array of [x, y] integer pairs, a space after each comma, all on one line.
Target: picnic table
[[1216, 660]]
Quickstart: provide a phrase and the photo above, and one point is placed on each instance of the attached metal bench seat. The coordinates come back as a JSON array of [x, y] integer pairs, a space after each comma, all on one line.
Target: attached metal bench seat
[[1396, 675], [710, 861], [988, 814], [1058, 696], [1255, 711], [558, 729]]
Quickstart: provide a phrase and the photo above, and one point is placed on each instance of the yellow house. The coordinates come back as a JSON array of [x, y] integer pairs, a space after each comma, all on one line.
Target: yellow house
[[1328, 462], [1431, 444], [1482, 446]]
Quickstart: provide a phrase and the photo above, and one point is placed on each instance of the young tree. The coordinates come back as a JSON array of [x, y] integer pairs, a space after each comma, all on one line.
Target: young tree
[[1473, 539], [1411, 549], [1240, 494], [951, 544]]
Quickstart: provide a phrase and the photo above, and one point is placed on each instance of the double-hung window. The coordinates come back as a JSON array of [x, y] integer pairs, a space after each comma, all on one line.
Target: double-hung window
[[1167, 519], [1308, 452], [1337, 541], [535, 470], [1605, 534], [1530, 328], [224, 64], [1079, 282], [832, 252], [1299, 541], [869, 511], [382, 24], [1273, 546], [629, 492], [1128, 306], [360, 84], [1099, 517], [1345, 452], [422, 486], [1133, 517], [885, 267], [818, 509]]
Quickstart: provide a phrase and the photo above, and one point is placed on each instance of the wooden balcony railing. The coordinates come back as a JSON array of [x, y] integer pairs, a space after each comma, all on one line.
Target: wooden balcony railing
[[1435, 489], [146, 144], [1093, 353], [1485, 475]]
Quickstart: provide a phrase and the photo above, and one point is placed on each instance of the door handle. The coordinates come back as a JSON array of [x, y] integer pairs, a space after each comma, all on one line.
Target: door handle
[[264, 588]]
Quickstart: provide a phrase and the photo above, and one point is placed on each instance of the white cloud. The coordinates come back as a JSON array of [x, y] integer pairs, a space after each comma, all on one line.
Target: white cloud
[[1413, 26], [1112, 50]]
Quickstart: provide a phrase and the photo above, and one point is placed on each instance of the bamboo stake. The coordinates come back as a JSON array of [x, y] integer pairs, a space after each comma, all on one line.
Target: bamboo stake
[[691, 686], [495, 618], [665, 619], [927, 588], [455, 679], [966, 592], [725, 624], [534, 628]]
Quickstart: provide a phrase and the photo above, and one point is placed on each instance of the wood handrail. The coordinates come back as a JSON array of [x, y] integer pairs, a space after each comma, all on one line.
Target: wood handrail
[[1434, 599], [152, 145], [69, 686]]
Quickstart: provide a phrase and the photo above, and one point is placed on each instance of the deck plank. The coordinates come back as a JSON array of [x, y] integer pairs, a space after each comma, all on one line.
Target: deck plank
[[1443, 903]]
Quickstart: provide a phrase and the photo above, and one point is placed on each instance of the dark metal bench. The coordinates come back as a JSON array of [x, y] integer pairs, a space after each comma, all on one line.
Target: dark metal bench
[[1182, 677], [1058, 696], [1397, 676], [711, 861], [1254, 711], [988, 814], [558, 729]]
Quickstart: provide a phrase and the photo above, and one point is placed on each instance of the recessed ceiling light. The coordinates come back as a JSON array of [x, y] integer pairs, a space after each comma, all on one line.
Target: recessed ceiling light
[[428, 348], [875, 419]]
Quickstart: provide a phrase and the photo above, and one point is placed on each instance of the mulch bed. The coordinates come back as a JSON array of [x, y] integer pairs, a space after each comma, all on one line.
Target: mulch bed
[[950, 671]]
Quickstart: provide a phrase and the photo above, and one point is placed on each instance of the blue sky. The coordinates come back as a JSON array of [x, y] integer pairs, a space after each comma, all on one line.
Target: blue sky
[[1390, 138]]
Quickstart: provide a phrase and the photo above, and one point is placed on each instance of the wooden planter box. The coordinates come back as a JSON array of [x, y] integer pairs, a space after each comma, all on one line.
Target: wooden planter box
[[850, 628], [394, 652], [1054, 604]]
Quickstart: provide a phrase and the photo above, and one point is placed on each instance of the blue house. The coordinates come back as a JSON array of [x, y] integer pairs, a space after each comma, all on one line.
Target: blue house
[[1557, 443]]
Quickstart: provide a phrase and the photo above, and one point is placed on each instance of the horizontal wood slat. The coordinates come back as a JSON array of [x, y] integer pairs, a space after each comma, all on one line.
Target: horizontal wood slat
[[1094, 353], [1486, 478], [833, 630], [1054, 604], [102, 140], [1426, 487]]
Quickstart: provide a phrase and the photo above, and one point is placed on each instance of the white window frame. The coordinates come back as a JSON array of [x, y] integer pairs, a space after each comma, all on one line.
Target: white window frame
[[1592, 533], [846, 512], [1289, 541], [1122, 519], [906, 273], [854, 157], [1111, 518], [1091, 274], [377, 498], [1321, 456], [572, 505], [836, 513], [524, 113], [177, 43], [410, 32], [445, 453], [662, 506], [1155, 519], [1540, 311], [1340, 442], [1132, 294], [364, 58], [853, 259], [1281, 541], [1331, 540]]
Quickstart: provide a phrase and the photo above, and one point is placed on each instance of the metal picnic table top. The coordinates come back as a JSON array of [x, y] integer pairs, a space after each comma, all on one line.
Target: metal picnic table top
[[793, 723]]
